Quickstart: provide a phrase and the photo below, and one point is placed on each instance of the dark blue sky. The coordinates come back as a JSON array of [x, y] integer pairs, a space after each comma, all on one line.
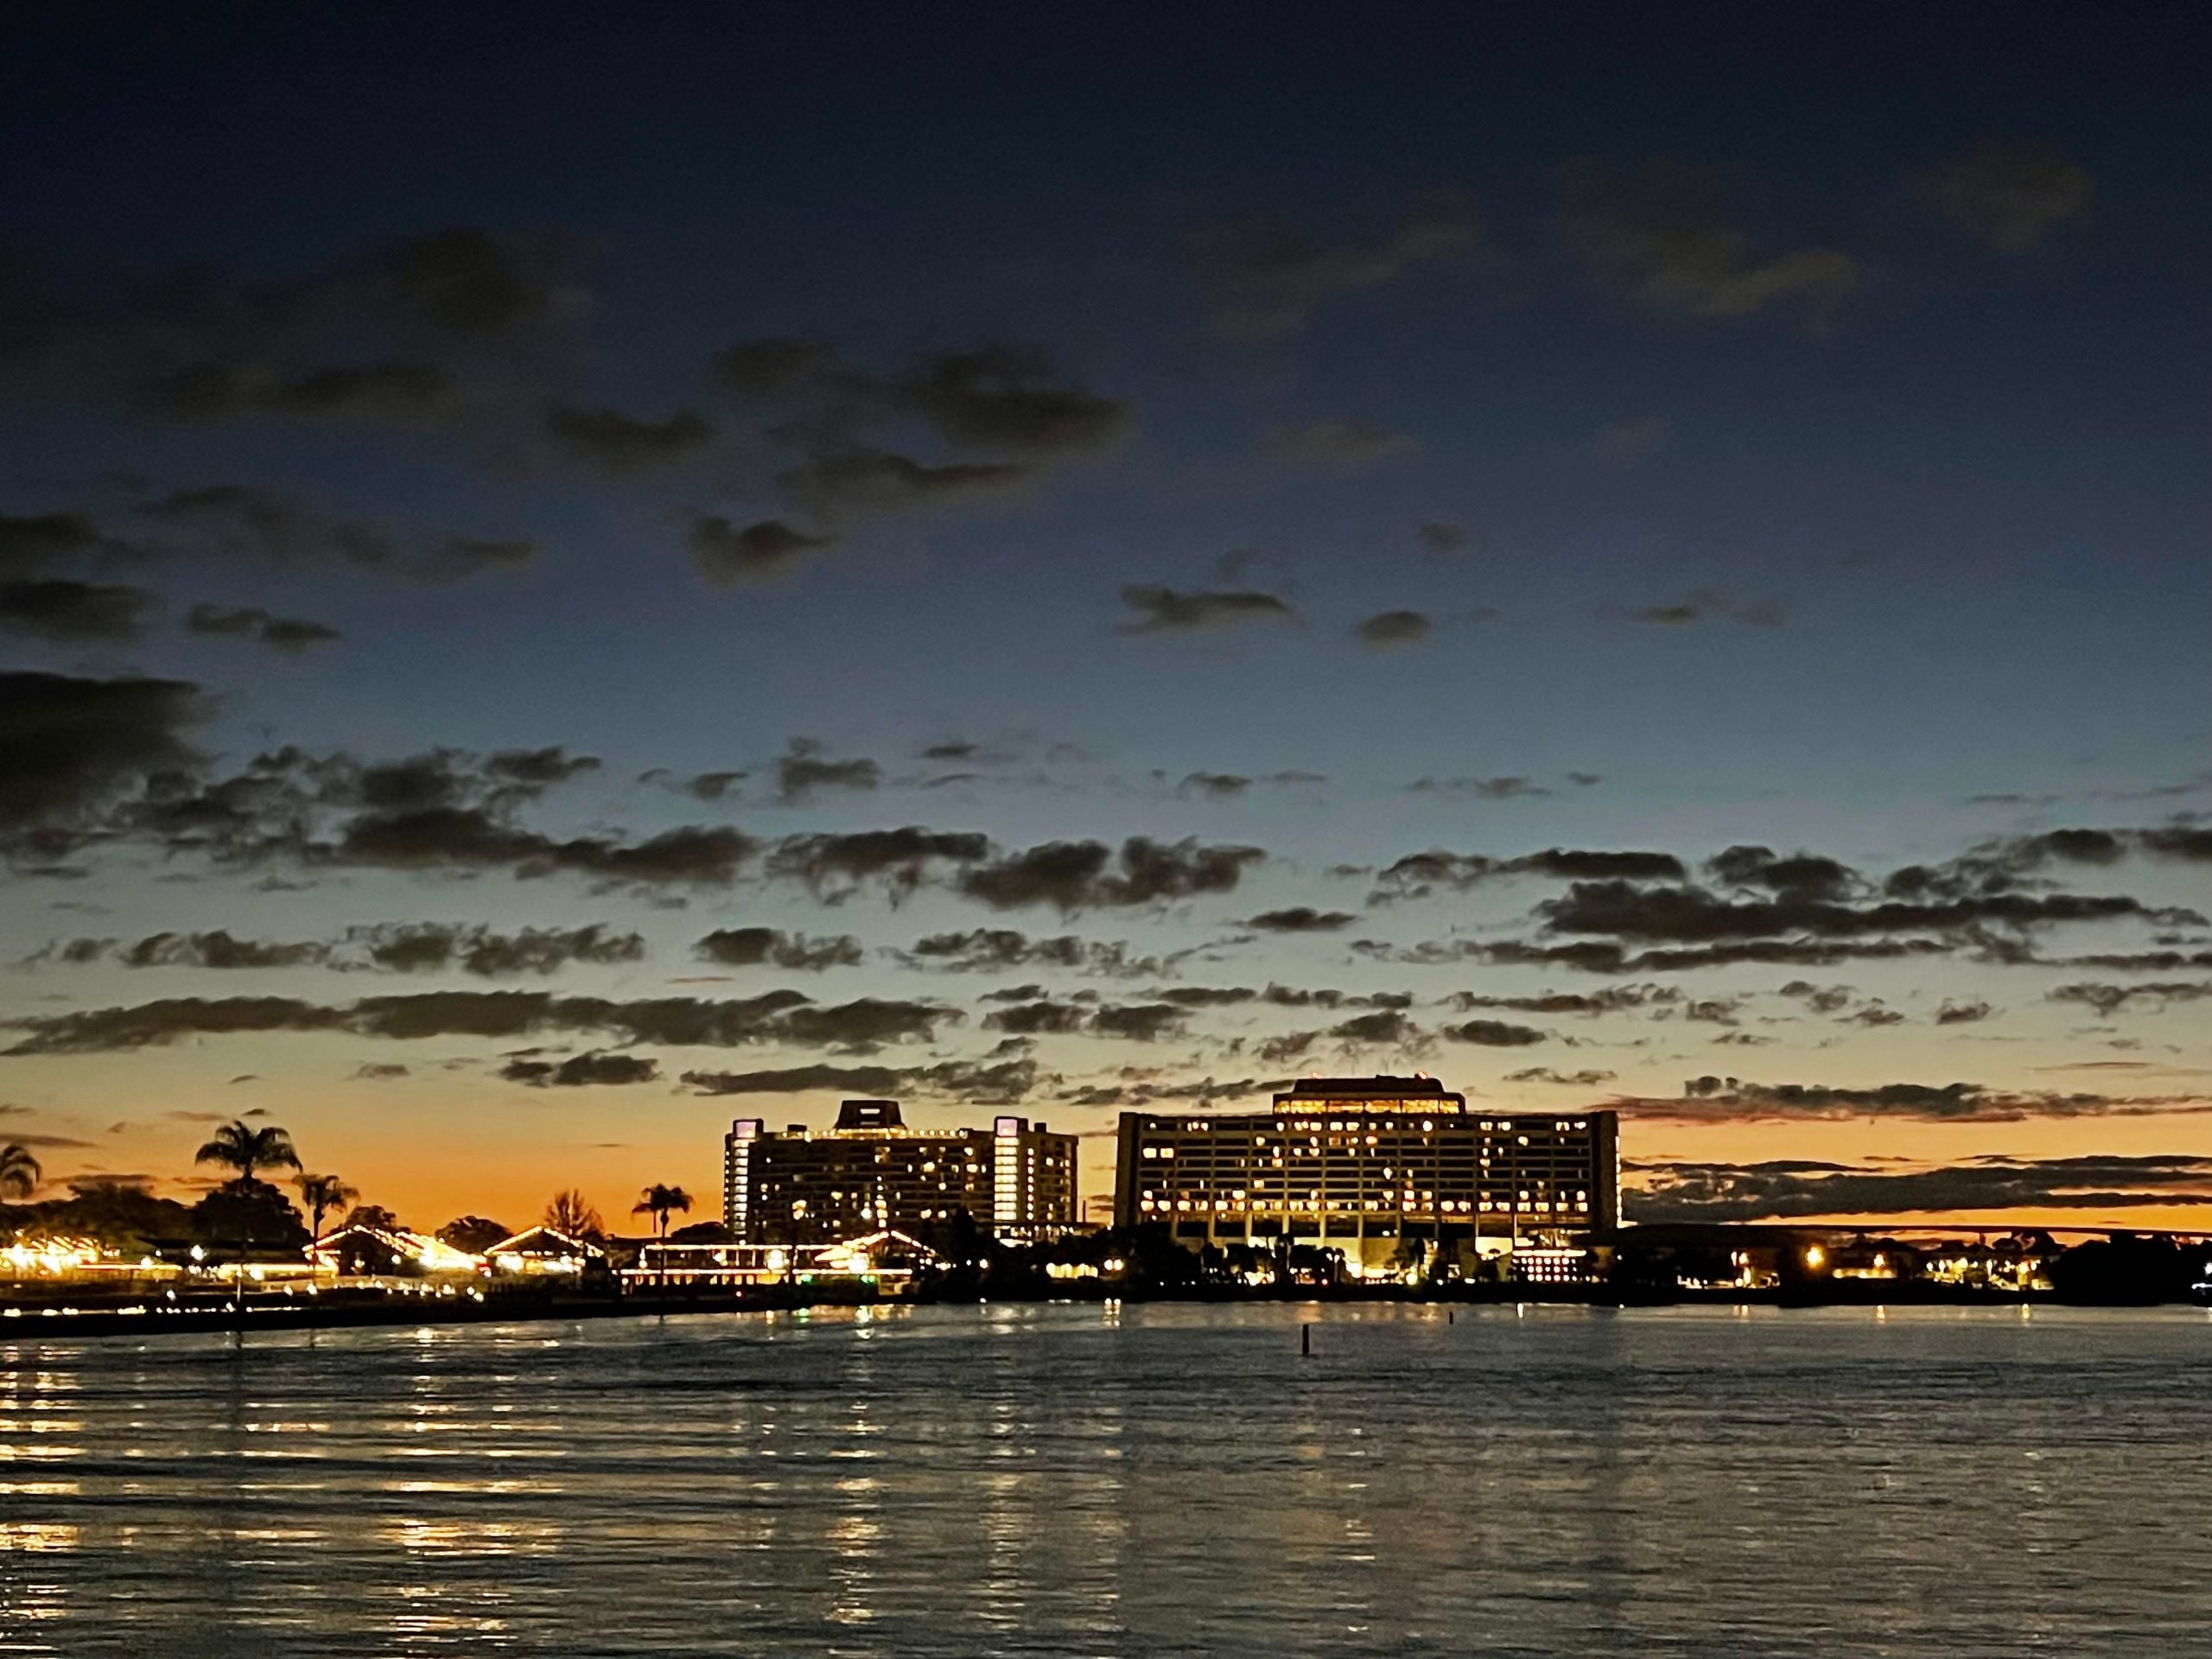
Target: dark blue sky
[[1808, 415]]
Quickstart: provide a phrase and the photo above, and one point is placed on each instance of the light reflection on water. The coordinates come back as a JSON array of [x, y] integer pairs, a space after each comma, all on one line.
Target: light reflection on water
[[1147, 1481]]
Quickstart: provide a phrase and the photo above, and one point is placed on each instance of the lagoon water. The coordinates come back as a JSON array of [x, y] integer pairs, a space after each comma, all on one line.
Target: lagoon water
[[1142, 1481]]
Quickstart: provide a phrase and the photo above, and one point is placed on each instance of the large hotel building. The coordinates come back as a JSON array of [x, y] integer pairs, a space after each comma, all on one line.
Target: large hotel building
[[1364, 1164], [1015, 1179]]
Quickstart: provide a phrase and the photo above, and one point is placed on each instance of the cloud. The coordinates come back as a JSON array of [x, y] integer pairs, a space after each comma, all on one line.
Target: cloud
[[1614, 998], [1442, 534], [1821, 998], [750, 947], [1038, 1018], [442, 809], [38, 542], [865, 1025], [1010, 399], [1137, 1087], [466, 838], [854, 484], [1731, 1100], [997, 950], [218, 949], [2139, 961], [1801, 875], [1704, 605], [781, 1016], [1167, 610], [1874, 1014], [1007, 418], [2008, 196], [1141, 1022], [432, 329], [1332, 443], [779, 368], [725, 554], [1001, 399], [533, 769], [1301, 918], [988, 1081], [1495, 1033], [290, 635], [223, 522], [622, 445], [1386, 629], [432, 947], [1219, 786], [1963, 1013], [1793, 1189], [1661, 236], [581, 1071], [863, 1080], [1385, 1027], [1075, 875], [1565, 1079], [2157, 996], [1262, 276], [802, 773], [70, 612], [68, 745], [1287, 996], [833, 866], [1623, 910], [1489, 789], [1998, 866], [1591, 956], [1417, 875]]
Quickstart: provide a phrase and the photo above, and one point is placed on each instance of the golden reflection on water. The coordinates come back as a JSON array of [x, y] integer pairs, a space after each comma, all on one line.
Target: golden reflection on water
[[37, 1537], [1129, 1482]]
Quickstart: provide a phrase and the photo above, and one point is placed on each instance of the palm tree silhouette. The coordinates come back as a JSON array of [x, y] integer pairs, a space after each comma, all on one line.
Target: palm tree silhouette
[[662, 1201], [322, 1194], [246, 1149], [19, 1170]]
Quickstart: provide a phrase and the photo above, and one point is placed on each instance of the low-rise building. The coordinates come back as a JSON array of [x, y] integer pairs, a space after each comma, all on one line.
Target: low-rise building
[[871, 1171]]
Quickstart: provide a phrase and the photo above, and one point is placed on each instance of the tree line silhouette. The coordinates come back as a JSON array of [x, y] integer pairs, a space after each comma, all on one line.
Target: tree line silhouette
[[247, 1209]]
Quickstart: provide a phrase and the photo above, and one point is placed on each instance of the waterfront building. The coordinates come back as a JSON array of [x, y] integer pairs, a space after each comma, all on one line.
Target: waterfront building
[[1392, 1172], [544, 1252], [1015, 1179], [357, 1251], [883, 1260]]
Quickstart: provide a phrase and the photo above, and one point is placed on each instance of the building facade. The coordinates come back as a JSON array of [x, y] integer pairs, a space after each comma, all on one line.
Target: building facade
[[1015, 1179], [1374, 1166]]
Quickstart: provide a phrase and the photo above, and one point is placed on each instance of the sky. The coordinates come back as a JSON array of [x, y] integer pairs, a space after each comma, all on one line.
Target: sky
[[568, 576]]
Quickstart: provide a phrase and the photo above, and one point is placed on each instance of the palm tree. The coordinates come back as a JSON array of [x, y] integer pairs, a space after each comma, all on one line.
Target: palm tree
[[662, 1201], [19, 1172], [246, 1149], [572, 1215], [323, 1194]]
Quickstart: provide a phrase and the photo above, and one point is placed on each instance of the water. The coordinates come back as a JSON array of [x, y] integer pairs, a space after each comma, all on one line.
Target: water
[[1151, 1481]]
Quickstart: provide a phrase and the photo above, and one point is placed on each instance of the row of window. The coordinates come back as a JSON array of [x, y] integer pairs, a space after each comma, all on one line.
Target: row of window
[[1313, 1202]]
